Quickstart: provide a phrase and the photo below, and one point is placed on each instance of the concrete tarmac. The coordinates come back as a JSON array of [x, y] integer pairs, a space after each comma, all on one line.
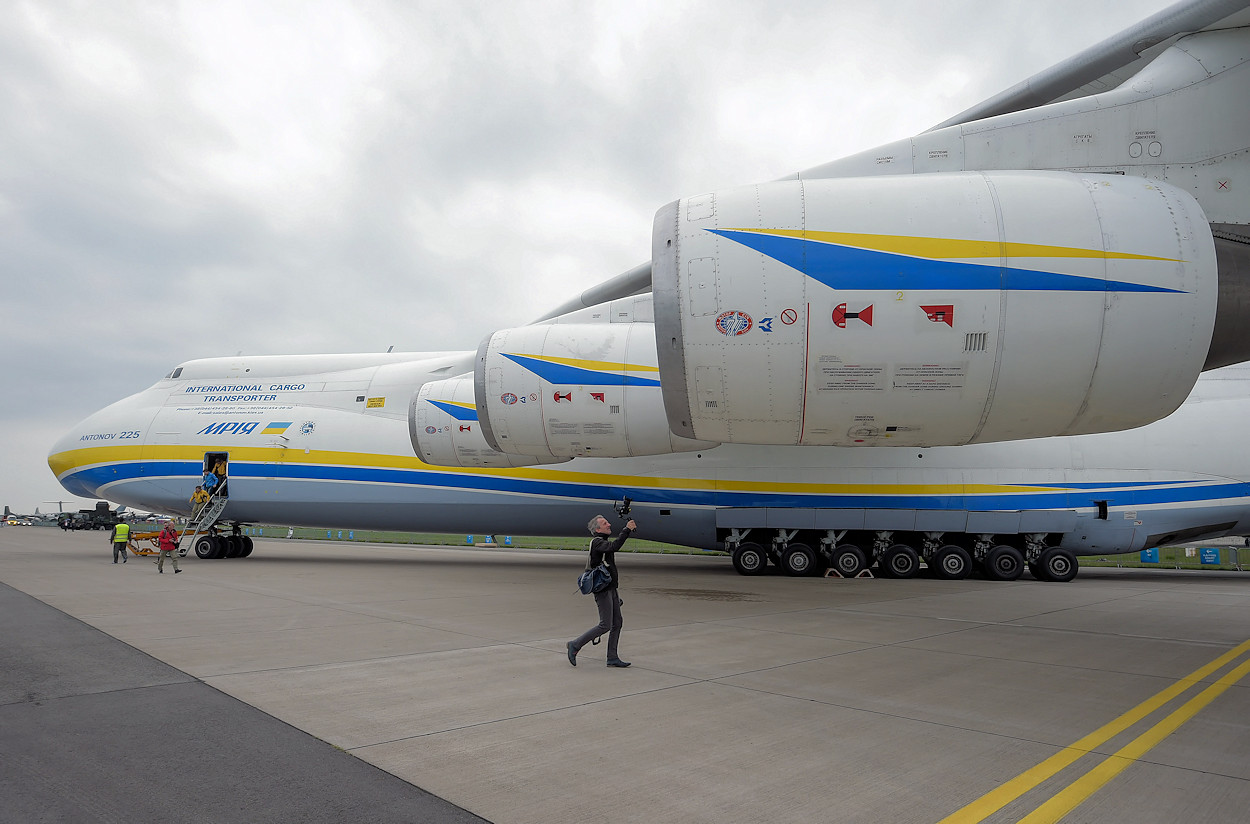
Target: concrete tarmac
[[1121, 697]]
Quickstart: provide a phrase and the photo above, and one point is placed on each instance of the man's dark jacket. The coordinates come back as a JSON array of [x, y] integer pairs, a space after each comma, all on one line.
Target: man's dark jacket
[[603, 549]]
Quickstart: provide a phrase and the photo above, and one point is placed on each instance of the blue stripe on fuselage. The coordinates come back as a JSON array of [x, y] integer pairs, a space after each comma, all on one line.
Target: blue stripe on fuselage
[[1116, 493]]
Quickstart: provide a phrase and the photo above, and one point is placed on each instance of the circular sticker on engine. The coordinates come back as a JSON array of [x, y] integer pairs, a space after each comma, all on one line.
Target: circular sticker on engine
[[508, 398], [733, 323]]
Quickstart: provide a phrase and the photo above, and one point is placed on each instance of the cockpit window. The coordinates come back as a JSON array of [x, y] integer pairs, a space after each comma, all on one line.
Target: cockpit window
[[174, 374]]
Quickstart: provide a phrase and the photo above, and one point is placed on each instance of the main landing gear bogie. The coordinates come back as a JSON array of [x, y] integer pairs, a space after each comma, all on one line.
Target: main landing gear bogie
[[900, 555]]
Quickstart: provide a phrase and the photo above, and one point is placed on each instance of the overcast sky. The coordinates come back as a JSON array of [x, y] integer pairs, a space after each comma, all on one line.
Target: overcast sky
[[339, 177]]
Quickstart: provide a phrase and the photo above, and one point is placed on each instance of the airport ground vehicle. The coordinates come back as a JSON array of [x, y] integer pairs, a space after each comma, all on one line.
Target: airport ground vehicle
[[99, 518]]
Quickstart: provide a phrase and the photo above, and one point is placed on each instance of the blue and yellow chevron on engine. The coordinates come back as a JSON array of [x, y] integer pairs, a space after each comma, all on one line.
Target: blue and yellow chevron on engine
[[583, 372], [842, 260], [457, 409]]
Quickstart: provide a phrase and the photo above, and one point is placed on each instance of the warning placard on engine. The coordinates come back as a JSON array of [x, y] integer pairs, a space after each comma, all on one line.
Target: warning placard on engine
[[930, 377], [836, 376]]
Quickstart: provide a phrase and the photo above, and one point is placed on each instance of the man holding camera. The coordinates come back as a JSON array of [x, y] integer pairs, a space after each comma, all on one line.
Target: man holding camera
[[603, 550]]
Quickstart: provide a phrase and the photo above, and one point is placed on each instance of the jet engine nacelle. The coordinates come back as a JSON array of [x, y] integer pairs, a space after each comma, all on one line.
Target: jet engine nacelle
[[935, 309], [571, 390], [445, 431]]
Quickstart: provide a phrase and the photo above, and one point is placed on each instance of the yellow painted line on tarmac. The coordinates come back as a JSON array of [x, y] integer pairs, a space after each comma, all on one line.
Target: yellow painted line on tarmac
[[996, 799], [1078, 791]]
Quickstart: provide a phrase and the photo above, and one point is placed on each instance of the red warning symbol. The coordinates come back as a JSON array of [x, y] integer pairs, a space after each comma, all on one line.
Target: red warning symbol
[[466, 428], [597, 396], [567, 396], [841, 316], [944, 313], [789, 317]]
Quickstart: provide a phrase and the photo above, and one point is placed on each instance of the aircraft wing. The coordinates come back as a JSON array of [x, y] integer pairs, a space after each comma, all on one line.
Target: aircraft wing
[[636, 281], [1098, 69], [1106, 65]]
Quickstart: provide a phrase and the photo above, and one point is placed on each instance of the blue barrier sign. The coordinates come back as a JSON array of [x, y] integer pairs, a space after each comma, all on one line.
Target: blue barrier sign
[[507, 540], [468, 539], [1150, 556], [1210, 554]]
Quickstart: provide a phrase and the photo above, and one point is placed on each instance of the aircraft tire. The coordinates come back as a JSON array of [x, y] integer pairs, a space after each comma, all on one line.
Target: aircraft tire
[[749, 559], [951, 563], [900, 561], [1037, 571], [206, 547], [248, 545], [232, 546], [849, 560], [1003, 563], [798, 561], [1058, 565]]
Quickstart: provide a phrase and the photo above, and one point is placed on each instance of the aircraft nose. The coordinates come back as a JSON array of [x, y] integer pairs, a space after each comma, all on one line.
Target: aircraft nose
[[88, 456], [66, 459]]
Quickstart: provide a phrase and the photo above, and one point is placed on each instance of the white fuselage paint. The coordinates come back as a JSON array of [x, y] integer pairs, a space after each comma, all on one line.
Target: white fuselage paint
[[320, 441]]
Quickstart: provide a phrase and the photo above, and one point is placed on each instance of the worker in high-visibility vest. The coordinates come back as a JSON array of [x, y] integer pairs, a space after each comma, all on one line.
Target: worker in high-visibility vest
[[120, 537], [197, 502]]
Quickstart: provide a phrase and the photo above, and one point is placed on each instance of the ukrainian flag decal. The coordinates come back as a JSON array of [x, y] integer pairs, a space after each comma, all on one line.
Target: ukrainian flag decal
[[276, 427]]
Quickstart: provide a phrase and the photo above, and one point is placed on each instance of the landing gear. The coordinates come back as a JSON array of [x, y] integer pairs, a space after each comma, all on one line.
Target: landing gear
[[951, 563], [207, 547], [900, 561], [798, 560], [1057, 565], [213, 546], [950, 556], [749, 559], [849, 560], [1003, 563]]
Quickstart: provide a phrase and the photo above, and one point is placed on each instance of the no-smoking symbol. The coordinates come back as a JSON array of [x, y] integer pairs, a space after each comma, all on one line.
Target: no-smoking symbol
[[789, 317]]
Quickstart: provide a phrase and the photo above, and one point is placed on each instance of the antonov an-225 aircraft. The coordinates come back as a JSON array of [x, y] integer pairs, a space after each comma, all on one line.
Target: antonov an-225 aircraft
[[969, 348]]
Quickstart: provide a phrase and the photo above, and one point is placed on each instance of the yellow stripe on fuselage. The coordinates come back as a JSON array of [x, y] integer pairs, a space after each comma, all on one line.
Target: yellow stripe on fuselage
[[63, 463], [938, 248]]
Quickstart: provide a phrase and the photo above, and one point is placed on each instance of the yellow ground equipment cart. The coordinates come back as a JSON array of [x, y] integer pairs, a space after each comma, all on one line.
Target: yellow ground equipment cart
[[147, 543]]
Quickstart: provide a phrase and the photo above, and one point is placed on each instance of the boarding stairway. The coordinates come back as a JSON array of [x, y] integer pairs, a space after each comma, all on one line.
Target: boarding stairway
[[203, 522]]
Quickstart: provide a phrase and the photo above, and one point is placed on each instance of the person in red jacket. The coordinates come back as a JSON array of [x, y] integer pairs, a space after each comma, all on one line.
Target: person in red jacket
[[168, 542]]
